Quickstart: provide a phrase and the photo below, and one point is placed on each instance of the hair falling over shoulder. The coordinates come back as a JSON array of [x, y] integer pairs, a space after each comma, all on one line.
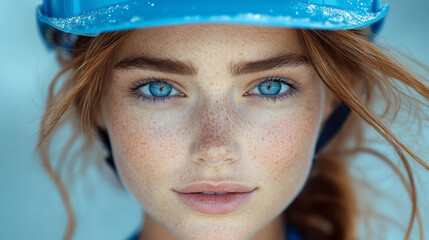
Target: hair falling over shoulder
[[356, 71]]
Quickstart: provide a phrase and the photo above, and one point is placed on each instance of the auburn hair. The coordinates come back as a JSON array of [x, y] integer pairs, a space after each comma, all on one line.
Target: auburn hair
[[355, 70]]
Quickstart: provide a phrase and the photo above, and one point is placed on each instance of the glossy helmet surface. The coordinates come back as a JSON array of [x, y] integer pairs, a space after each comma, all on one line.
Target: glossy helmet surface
[[91, 17]]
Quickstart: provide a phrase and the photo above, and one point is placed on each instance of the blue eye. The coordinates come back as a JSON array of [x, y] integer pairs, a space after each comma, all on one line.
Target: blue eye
[[270, 88], [154, 90], [158, 90], [275, 88]]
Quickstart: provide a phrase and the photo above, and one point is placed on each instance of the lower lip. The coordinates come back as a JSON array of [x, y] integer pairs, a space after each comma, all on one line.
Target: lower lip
[[215, 204]]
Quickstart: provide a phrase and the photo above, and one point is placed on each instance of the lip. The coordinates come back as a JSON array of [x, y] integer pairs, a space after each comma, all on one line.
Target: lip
[[216, 187], [235, 197]]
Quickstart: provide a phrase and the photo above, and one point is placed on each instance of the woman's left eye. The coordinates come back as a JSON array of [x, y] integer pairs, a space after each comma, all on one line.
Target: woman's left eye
[[159, 90], [275, 88]]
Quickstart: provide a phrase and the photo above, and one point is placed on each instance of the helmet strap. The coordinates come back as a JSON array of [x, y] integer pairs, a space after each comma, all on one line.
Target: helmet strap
[[332, 126], [104, 137]]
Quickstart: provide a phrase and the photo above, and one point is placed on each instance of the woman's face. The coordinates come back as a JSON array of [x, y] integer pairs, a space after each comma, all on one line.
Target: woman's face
[[213, 108]]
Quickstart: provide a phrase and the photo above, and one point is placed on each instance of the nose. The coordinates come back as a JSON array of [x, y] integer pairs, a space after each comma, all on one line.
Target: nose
[[214, 144]]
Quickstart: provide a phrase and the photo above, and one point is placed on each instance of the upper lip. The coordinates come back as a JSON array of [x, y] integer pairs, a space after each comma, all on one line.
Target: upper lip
[[215, 188]]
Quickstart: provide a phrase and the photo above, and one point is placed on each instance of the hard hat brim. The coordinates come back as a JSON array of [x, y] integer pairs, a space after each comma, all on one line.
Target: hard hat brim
[[145, 14]]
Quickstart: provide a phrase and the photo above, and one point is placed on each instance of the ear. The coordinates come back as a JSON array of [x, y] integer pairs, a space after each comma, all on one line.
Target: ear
[[100, 115], [331, 104], [99, 118]]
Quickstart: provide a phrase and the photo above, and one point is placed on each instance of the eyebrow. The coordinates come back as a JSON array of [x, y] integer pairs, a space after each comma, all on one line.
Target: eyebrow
[[184, 68]]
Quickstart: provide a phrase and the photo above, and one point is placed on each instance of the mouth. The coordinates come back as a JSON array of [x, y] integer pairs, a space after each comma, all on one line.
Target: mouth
[[215, 199]]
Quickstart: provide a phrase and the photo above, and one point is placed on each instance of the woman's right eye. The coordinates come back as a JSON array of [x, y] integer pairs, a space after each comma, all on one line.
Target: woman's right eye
[[154, 90]]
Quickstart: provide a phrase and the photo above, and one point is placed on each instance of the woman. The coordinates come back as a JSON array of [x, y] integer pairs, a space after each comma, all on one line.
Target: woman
[[216, 116]]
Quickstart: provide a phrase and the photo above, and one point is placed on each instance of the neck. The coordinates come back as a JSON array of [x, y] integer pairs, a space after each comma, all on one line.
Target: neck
[[152, 230], [275, 230]]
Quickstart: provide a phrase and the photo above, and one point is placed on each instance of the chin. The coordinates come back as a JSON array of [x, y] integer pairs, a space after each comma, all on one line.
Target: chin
[[217, 227], [215, 233]]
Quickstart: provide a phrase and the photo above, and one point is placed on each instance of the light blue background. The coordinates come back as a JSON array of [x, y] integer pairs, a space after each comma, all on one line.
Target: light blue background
[[30, 207]]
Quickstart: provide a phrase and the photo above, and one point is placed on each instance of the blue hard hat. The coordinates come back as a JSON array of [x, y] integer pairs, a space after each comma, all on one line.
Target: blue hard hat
[[91, 17]]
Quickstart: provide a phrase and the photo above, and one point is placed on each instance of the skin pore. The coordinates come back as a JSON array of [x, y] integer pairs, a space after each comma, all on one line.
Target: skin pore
[[215, 125]]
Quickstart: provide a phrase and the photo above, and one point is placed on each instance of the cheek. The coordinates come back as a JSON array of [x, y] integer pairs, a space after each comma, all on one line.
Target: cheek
[[282, 149], [144, 148]]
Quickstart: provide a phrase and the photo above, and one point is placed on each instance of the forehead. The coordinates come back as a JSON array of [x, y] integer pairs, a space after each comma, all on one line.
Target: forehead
[[188, 40]]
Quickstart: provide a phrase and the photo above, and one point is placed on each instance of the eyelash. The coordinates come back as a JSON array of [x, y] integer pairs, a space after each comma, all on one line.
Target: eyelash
[[294, 88]]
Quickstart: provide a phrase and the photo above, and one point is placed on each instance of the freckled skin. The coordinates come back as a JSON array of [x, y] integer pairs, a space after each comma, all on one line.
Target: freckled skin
[[214, 132]]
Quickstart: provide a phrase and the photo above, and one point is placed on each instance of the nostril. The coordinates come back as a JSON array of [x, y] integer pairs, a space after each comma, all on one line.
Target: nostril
[[218, 163], [216, 156]]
